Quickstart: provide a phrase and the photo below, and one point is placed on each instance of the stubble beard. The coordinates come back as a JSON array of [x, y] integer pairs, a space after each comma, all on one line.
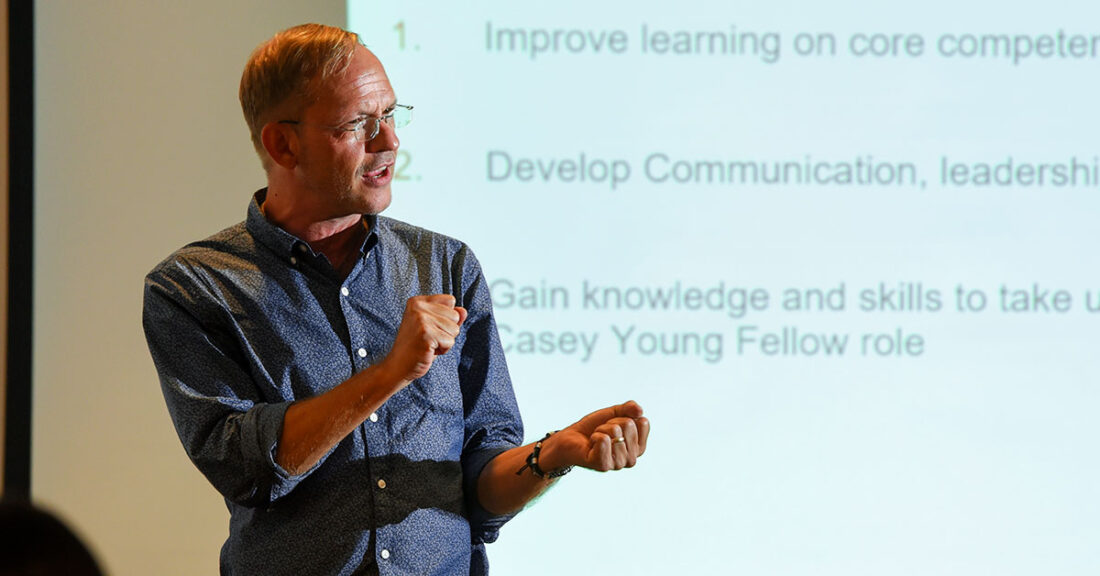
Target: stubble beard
[[373, 198]]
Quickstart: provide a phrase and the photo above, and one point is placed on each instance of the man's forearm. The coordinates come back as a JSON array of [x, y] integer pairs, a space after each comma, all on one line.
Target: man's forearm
[[501, 491], [312, 427]]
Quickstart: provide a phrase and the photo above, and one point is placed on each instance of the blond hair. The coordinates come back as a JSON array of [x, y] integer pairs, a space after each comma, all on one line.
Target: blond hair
[[283, 72]]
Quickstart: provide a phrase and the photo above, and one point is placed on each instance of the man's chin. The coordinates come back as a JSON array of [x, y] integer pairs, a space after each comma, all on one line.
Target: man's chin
[[375, 200]]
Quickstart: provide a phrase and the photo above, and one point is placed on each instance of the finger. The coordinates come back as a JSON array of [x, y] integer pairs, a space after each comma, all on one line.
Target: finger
[[450, 317], [443, 344], [446, 320], [443, 333], [612, 429], [436, 333], [643, 434], [599, 452], [620, 452], [629, 444], [445, 300], [629, 409], [435, 304], [625, 452], [431, 301], [442, 325], [625, 426]]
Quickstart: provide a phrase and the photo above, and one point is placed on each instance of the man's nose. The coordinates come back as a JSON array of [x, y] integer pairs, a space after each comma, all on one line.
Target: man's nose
[[386, 139]]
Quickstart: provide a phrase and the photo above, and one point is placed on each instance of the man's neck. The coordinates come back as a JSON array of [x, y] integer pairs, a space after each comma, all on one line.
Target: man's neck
[[342, 248], [339, 239]]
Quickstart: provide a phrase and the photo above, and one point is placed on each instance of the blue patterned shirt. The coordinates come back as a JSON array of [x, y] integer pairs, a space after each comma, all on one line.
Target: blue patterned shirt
[[244, 323]]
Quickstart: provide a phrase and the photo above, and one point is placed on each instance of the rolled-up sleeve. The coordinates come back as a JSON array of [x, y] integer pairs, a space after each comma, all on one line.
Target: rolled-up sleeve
[[493, 423], [229, 433]]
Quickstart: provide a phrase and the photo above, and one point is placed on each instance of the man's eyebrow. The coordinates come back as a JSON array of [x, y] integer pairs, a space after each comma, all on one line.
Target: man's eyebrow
[[357, 119], [363, 115]]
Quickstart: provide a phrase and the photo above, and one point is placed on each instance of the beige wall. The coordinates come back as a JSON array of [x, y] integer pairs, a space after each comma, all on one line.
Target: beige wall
[[140, 149]]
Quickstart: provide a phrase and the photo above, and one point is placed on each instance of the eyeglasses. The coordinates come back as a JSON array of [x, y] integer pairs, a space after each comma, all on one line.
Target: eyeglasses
[[365, 128]]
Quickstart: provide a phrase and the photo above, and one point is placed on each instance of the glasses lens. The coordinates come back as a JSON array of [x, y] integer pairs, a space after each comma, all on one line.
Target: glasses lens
[[399, 118], [368, 129], [402, 116]]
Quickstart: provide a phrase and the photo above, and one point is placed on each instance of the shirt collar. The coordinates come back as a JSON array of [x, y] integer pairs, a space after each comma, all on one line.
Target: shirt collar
[[282, 242]]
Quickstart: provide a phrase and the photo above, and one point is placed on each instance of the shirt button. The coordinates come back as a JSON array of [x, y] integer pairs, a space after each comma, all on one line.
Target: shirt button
[[381, 483], [385, 554], [373, 416], [344, 290], [302, 248], [362, 352], [293, 261]]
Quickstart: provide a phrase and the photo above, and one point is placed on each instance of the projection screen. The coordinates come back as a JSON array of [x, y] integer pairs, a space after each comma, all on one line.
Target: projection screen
[[840, 252]]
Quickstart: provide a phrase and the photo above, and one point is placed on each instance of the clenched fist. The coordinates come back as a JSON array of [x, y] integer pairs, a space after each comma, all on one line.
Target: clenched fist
[[429, 327]]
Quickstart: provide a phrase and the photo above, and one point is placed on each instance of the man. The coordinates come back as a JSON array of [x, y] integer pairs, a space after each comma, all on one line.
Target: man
[[336, 374]]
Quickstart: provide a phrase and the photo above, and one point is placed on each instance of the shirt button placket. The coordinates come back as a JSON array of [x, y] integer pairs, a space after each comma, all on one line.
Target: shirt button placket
[[302, 249]]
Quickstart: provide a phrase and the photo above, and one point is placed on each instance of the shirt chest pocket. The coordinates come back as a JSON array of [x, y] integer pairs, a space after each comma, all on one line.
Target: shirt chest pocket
[[439, 389], [428, 414]]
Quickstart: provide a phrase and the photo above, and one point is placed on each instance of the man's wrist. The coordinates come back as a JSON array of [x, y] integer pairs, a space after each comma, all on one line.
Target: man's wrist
[[542, 461], [383, 375], [375, 385]]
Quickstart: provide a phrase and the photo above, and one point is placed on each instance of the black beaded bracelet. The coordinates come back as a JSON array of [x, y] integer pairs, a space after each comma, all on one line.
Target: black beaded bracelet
[[533, 463]]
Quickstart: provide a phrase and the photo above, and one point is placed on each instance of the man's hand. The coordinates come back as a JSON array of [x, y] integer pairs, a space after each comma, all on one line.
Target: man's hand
[[429, 327], [609, 439]]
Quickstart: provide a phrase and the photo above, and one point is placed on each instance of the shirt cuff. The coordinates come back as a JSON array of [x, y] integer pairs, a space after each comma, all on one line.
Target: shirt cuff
[[269, 428], [484, 526]]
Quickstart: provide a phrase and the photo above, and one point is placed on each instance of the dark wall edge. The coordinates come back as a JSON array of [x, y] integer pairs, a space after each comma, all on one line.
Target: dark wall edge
[[17, 420]]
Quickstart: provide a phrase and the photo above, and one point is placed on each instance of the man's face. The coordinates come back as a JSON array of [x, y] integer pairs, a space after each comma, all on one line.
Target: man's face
[[341, 174]]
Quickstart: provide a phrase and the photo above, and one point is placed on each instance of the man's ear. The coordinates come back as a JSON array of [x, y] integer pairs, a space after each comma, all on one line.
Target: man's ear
[[281, 143]]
